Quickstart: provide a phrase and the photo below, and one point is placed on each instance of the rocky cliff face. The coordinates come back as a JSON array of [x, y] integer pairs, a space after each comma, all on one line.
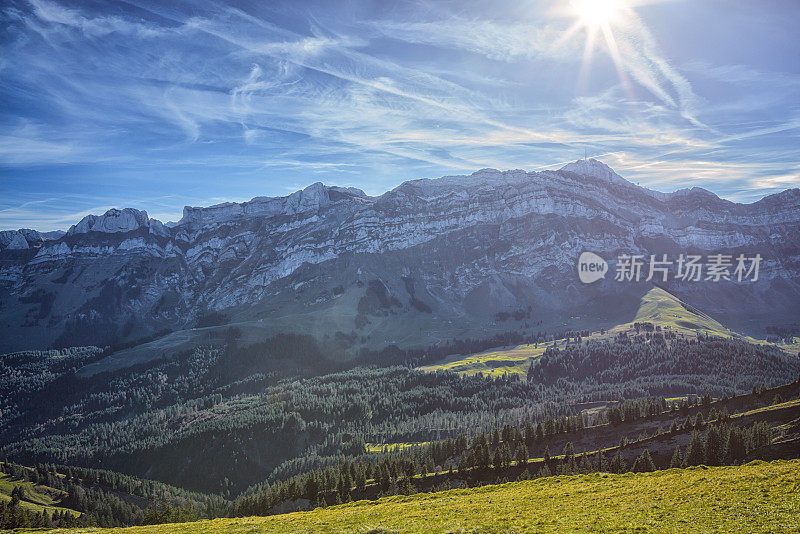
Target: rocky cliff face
[[428, 260], [22, 239]]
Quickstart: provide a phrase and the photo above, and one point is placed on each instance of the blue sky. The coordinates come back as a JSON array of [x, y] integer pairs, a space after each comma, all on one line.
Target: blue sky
[[159, 105]]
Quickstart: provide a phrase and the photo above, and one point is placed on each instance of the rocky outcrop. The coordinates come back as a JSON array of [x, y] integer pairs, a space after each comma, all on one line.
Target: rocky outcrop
[[13, 240], [22, 239], [309, 200], [111, 222]]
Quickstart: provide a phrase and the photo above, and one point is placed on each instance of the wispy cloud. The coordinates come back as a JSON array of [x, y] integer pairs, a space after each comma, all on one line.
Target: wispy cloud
[[56, 18], [140, 97], [646, 62], [744, 181], [507, 42], [15, 150]]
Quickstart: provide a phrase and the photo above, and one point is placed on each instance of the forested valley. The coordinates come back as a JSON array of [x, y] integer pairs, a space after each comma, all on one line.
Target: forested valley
[[271, 435]]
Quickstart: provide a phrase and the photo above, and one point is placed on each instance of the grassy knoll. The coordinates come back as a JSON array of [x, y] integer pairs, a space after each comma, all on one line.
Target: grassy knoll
[[662, 308], [657, 306], [757, 497], [37, 498]]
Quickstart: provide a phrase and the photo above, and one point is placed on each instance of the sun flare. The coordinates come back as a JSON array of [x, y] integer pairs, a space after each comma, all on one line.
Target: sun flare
[[597, 13], [598, 19]]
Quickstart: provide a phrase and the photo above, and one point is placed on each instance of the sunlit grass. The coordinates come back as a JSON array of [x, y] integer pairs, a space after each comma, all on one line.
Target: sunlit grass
[[657, 307], [499, 362], [37, 498], [392, 447], [661, 308], [757, 497]]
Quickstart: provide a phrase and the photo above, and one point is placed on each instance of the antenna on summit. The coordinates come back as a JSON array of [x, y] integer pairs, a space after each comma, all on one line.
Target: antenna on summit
[[585, 157]]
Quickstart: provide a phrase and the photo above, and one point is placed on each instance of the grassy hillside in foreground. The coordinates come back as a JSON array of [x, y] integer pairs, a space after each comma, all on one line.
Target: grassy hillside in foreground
[[657, 307], [38, 498], [756, 497]]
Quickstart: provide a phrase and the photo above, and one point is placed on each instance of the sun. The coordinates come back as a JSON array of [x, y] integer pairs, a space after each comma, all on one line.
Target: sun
[[597, 13], [598, 18]]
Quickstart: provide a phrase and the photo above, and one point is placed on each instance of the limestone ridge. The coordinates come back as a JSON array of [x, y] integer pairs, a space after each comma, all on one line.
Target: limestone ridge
[[453, 250]]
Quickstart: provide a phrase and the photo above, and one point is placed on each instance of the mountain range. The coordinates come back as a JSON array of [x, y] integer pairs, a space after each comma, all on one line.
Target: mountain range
[[491, 252]]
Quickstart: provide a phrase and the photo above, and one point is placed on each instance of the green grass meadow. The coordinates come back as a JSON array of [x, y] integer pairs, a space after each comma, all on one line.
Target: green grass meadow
[[757, 497]]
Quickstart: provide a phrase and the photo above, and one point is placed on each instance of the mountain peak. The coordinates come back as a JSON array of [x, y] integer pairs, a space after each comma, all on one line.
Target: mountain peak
[[113, 221], [782, 198], [594, 168]]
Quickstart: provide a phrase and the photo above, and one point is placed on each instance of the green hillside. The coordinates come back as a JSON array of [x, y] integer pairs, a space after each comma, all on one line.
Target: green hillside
[[756, 497], [57, 496], [496, 362], [657, 307], [38, 498]]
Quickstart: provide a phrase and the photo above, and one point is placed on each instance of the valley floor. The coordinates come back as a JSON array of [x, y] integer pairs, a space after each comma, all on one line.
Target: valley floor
[[756, 497]]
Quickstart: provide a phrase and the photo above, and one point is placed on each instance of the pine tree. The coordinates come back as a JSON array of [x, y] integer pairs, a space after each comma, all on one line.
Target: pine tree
[[311, 489], [618, 463], [567, 466], [483, 458], [677, 459], [495, 438], [545, 471], [737, 451], [584, 465], [530, 433], [361, 479], [644, 463], [602, 463], [345, 484], [673, 428], [698, 420], [569, 452], [15, 497], [695, 451], [716, 452], [521, 455]]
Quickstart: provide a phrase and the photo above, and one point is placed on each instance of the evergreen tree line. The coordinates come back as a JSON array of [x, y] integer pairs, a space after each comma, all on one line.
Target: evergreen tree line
[[503, 453], [137, 421], [726, 366], [15, 515], [722, 443], [253, 413], [492, 458]]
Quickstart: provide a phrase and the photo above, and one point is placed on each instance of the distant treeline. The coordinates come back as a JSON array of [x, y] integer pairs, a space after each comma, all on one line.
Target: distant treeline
[[784, 333], [717, 366]]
